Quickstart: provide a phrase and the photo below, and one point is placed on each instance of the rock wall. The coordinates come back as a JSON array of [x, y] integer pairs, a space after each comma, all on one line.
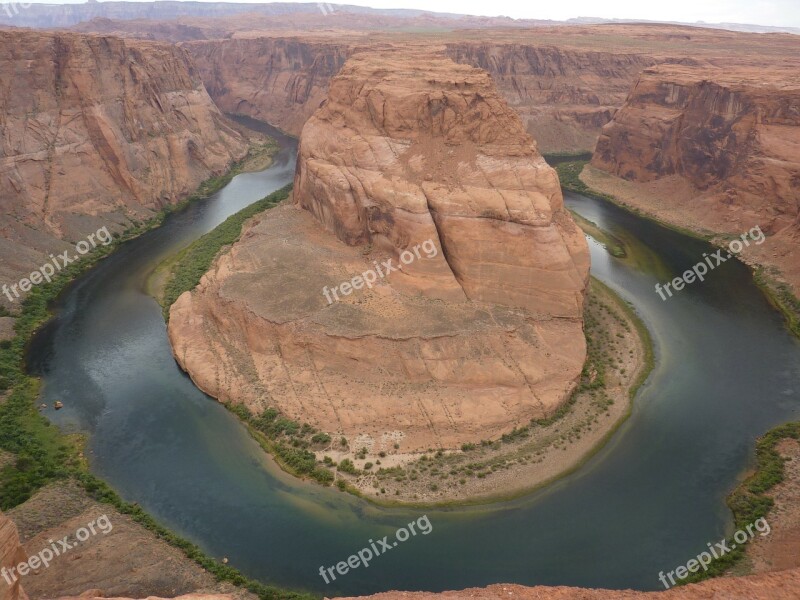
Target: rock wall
[[732, 137], [97, 131], [563, 95], [279, 80]]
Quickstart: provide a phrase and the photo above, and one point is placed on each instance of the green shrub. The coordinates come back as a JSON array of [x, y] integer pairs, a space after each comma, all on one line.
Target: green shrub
[[196, 260], [321, 438], [346, 466], [749, 502]]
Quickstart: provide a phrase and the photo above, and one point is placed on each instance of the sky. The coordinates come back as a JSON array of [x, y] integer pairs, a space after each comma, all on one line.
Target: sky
[[784, 13]]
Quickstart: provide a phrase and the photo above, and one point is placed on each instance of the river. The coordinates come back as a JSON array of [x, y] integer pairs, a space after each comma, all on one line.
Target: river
[[648, 501]]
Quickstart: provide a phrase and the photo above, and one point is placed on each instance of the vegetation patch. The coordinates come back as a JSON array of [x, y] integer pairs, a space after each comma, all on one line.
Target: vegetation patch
[[569, 174], [781, 296], [614, 245], [750, 502], [289, 441], [195, 260]]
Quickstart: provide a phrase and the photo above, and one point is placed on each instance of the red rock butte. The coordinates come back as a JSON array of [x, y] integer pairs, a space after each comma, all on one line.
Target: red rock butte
[[462, 346]]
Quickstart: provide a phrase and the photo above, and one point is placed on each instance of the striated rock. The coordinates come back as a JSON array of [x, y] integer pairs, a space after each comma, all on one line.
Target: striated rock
[[565, 82], [479, 334], [11, 554], [279, 80], [781, 585], [400, 154], [564, 95], [97, 131], [732, 137]]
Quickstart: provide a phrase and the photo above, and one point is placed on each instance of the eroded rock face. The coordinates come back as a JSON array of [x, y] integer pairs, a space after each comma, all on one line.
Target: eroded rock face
[[279, 80], [733, 136], [97, 131], [98, 595], [400, 153], [565, 82], [11, 554], [564, 95], [465, 342]]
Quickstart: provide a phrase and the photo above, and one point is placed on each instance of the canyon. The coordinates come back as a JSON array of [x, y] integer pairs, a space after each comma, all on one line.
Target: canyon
[[98, 131], [405, 137], [400, 155], [713, 150], [566, 84], [564, 95]]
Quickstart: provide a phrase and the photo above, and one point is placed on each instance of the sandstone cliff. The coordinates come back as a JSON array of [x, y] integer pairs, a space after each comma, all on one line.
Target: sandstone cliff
[[97, 131], [479, 334], [279, 80], [11, 554], [400, 154], [718, 149], [565, 82], [564, 95]]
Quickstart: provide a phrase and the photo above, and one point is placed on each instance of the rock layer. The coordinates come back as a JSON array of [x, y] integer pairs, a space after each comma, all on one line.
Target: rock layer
[[564, 95], [731, 137], [463, 343], [97, 131]]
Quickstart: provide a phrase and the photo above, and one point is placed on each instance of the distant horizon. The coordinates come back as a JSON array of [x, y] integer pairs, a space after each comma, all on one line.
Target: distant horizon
[[771, 13]]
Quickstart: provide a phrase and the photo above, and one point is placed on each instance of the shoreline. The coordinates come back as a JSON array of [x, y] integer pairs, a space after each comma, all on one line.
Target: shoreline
[[766, 276], [551, 450], [750, 499], [555, 458], [59, 457]]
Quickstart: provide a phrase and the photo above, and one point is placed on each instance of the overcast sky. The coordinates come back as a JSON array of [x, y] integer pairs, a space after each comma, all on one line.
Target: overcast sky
[[784, 13]]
